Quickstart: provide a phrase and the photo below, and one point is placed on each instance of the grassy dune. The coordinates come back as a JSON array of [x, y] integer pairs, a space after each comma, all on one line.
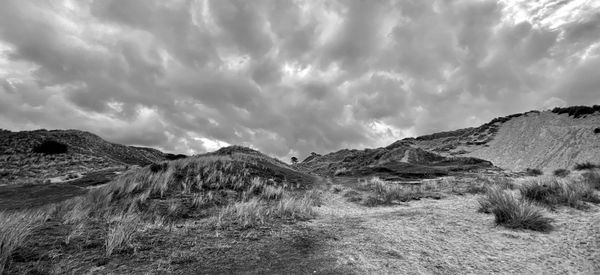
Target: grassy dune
[[233, 191]]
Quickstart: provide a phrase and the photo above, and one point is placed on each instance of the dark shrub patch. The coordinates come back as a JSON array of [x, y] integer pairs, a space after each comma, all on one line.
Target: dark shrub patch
[[577, 111], [561, 172], [585, 166], [534, 172], [597, 130], [158, 167], [175, 157], [50, 147]]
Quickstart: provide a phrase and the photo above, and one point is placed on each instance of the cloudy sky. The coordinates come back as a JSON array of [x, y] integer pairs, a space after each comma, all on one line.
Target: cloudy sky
[[289, 77]]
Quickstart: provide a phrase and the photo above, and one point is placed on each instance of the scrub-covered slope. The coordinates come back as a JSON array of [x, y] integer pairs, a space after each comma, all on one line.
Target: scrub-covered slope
[[399, 160], [43, 154]]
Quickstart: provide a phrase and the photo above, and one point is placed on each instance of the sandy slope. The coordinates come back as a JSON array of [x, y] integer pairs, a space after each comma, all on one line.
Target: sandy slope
[[448, 236], [545, 140]]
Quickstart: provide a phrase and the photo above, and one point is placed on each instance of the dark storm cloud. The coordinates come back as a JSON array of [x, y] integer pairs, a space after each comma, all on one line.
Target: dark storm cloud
[[289, 77]]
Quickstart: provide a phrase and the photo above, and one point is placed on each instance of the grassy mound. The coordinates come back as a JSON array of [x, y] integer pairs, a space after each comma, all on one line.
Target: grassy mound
[[238, 190]]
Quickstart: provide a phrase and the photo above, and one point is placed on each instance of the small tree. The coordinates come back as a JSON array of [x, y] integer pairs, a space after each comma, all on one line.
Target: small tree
[[294, 160]]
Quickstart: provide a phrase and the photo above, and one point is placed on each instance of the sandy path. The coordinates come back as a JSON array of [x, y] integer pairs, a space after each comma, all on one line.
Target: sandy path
[[448, 236]]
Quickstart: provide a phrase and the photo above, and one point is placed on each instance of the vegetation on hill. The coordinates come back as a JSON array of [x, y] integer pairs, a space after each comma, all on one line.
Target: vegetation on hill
[[234, 189], [577, 111], [39, 155], [396, 161]]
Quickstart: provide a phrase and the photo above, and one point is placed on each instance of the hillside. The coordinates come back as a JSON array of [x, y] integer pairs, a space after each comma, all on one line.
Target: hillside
[[548, 140], [21, 162], [400, 160]]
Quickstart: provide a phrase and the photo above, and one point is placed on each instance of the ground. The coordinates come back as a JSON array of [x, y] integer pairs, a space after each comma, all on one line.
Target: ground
[[427, 236], [448, 236]]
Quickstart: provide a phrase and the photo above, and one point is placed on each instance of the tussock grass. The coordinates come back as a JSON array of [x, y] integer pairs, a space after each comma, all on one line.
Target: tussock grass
[[388, 192], [121, 231], [513, 213], [272, 192], [257, 211], [14, 229], [554, 191]]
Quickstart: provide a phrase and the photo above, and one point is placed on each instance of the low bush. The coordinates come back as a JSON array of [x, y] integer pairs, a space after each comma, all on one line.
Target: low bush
[[534, 172], [175, 157], [561, 172], [513, 213], [597, 130], [585, 166], [158, 167], [50, 147]]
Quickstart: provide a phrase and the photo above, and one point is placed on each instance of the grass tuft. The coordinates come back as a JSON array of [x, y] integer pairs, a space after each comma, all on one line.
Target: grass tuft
[[14, 229], [121, 231], [512, 213], [553, 192]]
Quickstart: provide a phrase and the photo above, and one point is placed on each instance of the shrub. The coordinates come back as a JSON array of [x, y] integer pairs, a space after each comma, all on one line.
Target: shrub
[[597, 130], [534, 172], [121, 231], [14, 228], [175, 157], [158, 167], [512, 213], [585, 166], [561, 172], [50, 147]]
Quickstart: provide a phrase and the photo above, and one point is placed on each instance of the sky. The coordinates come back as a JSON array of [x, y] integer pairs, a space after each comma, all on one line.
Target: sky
[[289, 77]]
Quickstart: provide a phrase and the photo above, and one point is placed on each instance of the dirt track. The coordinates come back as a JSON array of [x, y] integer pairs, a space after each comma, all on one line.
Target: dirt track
[[448, 236]]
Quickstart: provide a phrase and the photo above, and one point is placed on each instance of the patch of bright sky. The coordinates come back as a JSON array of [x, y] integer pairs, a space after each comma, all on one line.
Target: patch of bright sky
[[387, 134], [549, 13], [211, 144]]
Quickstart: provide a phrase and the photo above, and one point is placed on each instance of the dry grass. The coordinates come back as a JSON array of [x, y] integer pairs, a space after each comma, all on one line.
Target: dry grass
[[553, 191], [388, 192], [257, 211], [513, 213], [14, 228], [121, 231], [592, 178]]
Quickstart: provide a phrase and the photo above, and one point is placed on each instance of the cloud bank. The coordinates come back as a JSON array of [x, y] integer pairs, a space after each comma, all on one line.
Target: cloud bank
[[289, 77]]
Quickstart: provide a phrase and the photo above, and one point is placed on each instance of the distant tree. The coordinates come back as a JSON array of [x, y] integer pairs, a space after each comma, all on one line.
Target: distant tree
[[294, 160]]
